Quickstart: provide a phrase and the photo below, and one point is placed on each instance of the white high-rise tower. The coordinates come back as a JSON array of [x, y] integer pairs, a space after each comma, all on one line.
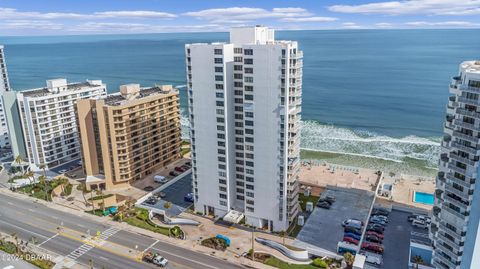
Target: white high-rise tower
[[244, 105], [455, 228], [4, 86]]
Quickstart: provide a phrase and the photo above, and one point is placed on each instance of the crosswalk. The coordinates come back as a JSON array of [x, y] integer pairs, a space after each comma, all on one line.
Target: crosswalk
[[75, 254]]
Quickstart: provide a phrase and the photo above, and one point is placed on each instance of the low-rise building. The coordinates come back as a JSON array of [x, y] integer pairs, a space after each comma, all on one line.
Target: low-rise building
[[128, 135]]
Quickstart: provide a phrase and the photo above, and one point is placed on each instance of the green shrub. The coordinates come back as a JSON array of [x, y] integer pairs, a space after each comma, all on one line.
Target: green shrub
[[319, 263]]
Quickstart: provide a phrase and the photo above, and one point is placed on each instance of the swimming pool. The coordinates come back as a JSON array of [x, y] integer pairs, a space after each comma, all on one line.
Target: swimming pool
[[423, 198]]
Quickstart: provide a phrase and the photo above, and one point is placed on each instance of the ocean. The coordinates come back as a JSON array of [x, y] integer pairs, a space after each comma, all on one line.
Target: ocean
[[373, 98]]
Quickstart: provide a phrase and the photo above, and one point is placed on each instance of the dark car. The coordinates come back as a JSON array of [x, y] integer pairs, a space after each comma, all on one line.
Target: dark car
[[325, 201], [376, 225], [151, 201], [179, 169], [380, 211], [377, 248], [173, 173], [352, 230], [379, 235], [324, 204], [352, 235], [378, 221], [148, 188], [186, 167], [188, 197], [375, 229], [373, 239]]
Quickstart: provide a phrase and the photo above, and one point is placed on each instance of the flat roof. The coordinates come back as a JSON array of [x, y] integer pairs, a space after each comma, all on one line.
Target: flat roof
[[39, 92], [117, 99]]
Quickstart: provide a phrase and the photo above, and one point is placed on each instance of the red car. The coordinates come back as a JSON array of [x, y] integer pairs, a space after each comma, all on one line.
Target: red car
[[377, 248], [350, 240], [179, 169], [379, 235]]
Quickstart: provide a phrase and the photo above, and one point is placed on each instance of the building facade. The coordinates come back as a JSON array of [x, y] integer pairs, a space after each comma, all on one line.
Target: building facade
[[4, 87], [244, 105], [455, 227], [128, 135], [42, 121]]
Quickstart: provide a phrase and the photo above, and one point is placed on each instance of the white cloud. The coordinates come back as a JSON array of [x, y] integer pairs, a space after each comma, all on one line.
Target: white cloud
[[384, 25], [113, 27], [351, 25], [11, 13], [430, 7], [30, 24], [310, 19], [442, 24], [246, 14]]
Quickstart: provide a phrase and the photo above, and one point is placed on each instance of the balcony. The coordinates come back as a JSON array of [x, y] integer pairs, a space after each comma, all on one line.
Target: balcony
[[453, 212], [455, 235], [468, 101], [469, 89], [465, 183], [456, 192], [455, 202], [456, 157], [466, 112], [466, 149], [466, 137], [450, 264], [465, 125]]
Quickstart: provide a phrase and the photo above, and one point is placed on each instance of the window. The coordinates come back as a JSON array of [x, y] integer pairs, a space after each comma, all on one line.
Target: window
[[249, 147], [221, 136], [249, 155], [238, 101], [223, 196], [247, 88], [249, 187], [237, 67], [249, 179], [237, 50], [218, 78], [248, 114], [249, 163], [222, 181], [220, 120], [249, 139], [248, 70], [249, 194], [249, 122], [219, 86], [221, 166], [221, 159], [249, 171], [219, 60], [221, 144], [220, 128], [248, 51], [240, 197], [219, 94], [248, 61], [237, 76], [249, 79], [249, 97], [217, 51], [220, 111], [249, 131], [219, 103], [238, 84], [223, 203], [237, 59], [219, 69]]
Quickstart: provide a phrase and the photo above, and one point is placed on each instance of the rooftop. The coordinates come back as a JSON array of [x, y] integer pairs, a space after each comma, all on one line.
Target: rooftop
[[57, 85], [471, 66], [132, 92]]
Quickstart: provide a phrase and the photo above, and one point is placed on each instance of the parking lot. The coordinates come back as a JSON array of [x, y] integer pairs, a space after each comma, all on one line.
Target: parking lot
[[174, 194], [323, 228], [397, 240]]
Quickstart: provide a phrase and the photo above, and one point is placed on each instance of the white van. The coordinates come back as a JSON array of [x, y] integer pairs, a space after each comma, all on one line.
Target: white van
[[420, 224], [372, 258], [159, 179]]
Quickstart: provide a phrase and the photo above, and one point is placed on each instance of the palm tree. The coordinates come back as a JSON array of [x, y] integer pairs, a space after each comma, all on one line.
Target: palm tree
[[30, 175], [100, 193], [43, 181], [417, 260], [91, 199], [349, 259], [19, 161]]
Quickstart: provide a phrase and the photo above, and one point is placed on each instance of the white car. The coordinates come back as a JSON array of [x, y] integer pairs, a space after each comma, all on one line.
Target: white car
[[373, 258], [420, 224], [63, 171], [159, 179], [160, 261]]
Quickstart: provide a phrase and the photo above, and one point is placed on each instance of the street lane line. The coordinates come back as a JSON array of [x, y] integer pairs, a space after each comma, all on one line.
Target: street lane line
[[23, 229], [185, 258], [55, 235]]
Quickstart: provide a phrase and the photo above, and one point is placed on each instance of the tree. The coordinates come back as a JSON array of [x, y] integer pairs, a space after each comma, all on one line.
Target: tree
[[31, 176], [417, 260], [100, 193], [349, 259], [43, 181], [19, 161]]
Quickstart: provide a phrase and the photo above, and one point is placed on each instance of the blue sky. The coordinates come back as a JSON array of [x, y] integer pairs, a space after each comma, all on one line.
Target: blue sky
[[66, 17]]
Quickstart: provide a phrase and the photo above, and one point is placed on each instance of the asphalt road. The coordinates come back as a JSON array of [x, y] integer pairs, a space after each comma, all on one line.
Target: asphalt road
[[29, 219]]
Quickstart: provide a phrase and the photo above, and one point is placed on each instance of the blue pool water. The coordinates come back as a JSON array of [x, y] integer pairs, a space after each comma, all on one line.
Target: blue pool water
[[423, 198]]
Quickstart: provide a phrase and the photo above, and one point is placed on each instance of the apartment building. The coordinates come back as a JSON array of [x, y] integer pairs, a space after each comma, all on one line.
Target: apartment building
[[4, 87], [42, 121], [455, 228], [244, 104], [129, 135]]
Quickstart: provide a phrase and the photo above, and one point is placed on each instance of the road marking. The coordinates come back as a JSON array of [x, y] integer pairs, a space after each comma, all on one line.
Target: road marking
[[55, 235], [103, 258], [76, 253], [23, 229], [185, 258], [153, 244], [10, 203], [31, 210]]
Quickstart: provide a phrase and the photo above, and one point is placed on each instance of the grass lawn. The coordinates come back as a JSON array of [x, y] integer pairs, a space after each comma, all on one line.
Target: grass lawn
[[303, 200], [272, 261], [140, 220]]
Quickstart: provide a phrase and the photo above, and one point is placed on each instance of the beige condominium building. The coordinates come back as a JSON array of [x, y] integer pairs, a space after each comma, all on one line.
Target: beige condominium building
[[128, 135]]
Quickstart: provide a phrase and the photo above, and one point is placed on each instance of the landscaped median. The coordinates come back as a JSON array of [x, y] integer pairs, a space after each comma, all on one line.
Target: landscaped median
[[37, 260], [45, 189]]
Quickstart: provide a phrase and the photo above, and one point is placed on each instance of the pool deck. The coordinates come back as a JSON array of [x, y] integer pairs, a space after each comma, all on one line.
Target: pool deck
[[405, 186]]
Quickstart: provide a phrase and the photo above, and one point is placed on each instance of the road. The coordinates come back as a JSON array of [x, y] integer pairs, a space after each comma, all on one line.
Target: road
[[28, 219]]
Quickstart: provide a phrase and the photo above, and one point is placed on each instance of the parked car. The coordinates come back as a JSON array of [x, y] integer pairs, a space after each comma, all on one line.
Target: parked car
[[377, 221], [324, 204], [350, 240], [353, 223], [380, 217], [352, 230], [180, 169], [377, 248], [424, 218], [376, 226], [380, 211], [375, 229], [151, 200], [325, 201], [174, 173], [373, 239], [159, 179], [148, 188], [372, 258], [63, 171], [352, 235], [420, 224], [379, 235], [186, 167], [188, 197]]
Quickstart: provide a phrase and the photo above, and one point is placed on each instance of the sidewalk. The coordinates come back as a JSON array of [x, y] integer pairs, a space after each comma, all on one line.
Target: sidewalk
[[241, 239]]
